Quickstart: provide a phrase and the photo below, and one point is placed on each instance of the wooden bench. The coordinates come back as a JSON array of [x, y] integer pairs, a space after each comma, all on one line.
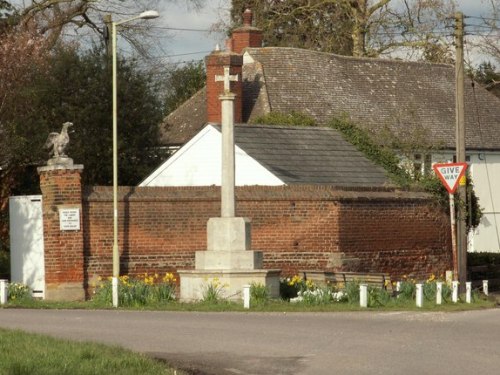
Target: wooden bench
[[490, 272], [381, 280]]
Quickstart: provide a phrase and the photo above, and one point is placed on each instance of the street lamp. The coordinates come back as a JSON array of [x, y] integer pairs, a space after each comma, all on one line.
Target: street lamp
[[149, 14]]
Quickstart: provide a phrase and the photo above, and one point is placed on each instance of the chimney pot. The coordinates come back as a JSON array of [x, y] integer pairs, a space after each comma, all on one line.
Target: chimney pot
[[247, 35], [247, 17]]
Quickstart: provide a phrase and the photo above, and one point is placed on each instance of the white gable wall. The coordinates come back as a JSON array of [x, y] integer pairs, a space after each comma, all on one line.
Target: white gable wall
[[198, 163], [484, 169]]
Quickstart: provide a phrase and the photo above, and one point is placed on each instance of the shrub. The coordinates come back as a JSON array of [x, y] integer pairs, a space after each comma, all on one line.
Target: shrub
[[213, 291], [352, 291], [259, 294], [149, 289], [18, 292], [378, 296], [290, 287]]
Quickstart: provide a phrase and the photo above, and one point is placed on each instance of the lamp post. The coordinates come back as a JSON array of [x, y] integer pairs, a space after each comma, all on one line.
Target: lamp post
[[149, 14]]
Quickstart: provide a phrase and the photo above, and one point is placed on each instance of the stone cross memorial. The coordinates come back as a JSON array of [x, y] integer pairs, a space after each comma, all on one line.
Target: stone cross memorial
[[228, 168], [228, 256]]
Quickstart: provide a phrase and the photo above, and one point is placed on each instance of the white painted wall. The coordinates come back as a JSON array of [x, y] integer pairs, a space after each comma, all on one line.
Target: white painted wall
[[26, 242], [198, 163], [484, 168]]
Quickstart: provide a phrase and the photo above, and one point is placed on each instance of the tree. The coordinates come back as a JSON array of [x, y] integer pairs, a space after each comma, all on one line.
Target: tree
[[55, 17], [316, 24], [77, 88], [182, 83], [485, 73], [353, 27]]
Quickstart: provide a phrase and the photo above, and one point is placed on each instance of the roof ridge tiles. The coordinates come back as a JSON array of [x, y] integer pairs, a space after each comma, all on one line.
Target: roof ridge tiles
[[351, 58]]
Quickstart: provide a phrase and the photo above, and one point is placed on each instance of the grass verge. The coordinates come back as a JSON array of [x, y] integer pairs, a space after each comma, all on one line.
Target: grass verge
[[26, 354], [269, 306]]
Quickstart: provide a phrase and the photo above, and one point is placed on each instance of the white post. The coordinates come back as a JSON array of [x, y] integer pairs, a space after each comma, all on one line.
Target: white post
[[454, 294], [439, 293], [114, 287], [485, 287], [468, 292], [246, 296], [363, 295], [420, 295], [398, 288], [4, 292], [449, 277]]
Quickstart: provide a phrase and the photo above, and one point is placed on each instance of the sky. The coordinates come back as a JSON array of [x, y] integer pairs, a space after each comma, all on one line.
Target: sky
[[176, 15], [177, 46]]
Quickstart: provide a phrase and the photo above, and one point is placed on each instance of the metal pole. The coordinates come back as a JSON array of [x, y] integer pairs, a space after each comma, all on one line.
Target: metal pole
[[149, 14], [460, 149], [453, 237], [116, 255]]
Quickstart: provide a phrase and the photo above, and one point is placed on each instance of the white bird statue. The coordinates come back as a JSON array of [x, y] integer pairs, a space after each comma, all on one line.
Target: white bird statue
[[58, 141]]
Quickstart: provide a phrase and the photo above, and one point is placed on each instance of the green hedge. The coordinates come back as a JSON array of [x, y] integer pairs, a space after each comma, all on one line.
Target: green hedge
[[483, 259]]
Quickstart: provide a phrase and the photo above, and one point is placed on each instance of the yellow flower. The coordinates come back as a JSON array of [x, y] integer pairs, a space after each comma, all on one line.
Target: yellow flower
[[295, 280], [169, 278]]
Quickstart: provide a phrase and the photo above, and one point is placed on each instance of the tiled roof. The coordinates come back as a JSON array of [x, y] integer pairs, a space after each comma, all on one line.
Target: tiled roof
[[404, 97], [308, 155], [183, 123]]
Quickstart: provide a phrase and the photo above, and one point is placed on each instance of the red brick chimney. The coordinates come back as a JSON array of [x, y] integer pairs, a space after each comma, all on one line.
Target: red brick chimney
[[247, 35], [215, 63], [242, 37]]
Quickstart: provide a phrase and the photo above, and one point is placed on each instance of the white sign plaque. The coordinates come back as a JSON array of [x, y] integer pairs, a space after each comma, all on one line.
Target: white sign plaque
[[69, 219]]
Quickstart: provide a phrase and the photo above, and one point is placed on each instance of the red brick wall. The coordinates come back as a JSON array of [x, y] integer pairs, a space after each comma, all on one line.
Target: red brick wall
[[63, 249], [243, 38], [215, 63], [402, 239], [297, 228]]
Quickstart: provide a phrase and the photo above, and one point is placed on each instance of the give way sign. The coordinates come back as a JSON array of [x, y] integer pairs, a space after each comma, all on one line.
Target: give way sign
[[450, 174]]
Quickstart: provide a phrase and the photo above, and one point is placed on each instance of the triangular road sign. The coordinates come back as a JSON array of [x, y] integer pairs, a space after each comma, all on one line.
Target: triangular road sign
[[450, 174]]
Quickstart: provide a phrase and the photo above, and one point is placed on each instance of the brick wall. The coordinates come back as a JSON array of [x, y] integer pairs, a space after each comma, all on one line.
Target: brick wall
[[297, 228], [244, 38], [215, 63], [64, 262]]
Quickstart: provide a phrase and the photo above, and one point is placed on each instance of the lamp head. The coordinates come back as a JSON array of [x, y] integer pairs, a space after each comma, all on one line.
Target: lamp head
[[149, 14]]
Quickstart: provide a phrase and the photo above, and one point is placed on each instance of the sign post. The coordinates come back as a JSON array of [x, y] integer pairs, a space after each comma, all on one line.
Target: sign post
[[450, 175]]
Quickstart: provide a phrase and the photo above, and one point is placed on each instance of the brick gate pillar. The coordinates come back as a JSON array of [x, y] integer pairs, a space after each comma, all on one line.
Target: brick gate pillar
[[63, 232]]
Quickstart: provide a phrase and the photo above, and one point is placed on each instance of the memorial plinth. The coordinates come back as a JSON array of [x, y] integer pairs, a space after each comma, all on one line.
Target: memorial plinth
[[230, 260]]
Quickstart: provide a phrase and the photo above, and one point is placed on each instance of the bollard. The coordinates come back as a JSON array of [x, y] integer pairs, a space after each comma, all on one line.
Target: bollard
[[439, 293], [454, 294], [4, 292], [114, 291], [449, 277], [420, 295], [398, 288], [363, 295], [485, 287], [246, 296], [468, 292]]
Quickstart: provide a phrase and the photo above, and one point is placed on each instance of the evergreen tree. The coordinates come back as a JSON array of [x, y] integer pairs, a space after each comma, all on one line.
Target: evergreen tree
[[77, 88], [182, 83]]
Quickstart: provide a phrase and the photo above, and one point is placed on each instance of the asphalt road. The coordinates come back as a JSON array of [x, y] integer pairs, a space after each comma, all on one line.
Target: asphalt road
[[291, 343]]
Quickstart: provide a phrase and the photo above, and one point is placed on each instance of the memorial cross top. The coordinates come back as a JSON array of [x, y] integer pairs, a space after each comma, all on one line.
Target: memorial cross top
[[227, 78]]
